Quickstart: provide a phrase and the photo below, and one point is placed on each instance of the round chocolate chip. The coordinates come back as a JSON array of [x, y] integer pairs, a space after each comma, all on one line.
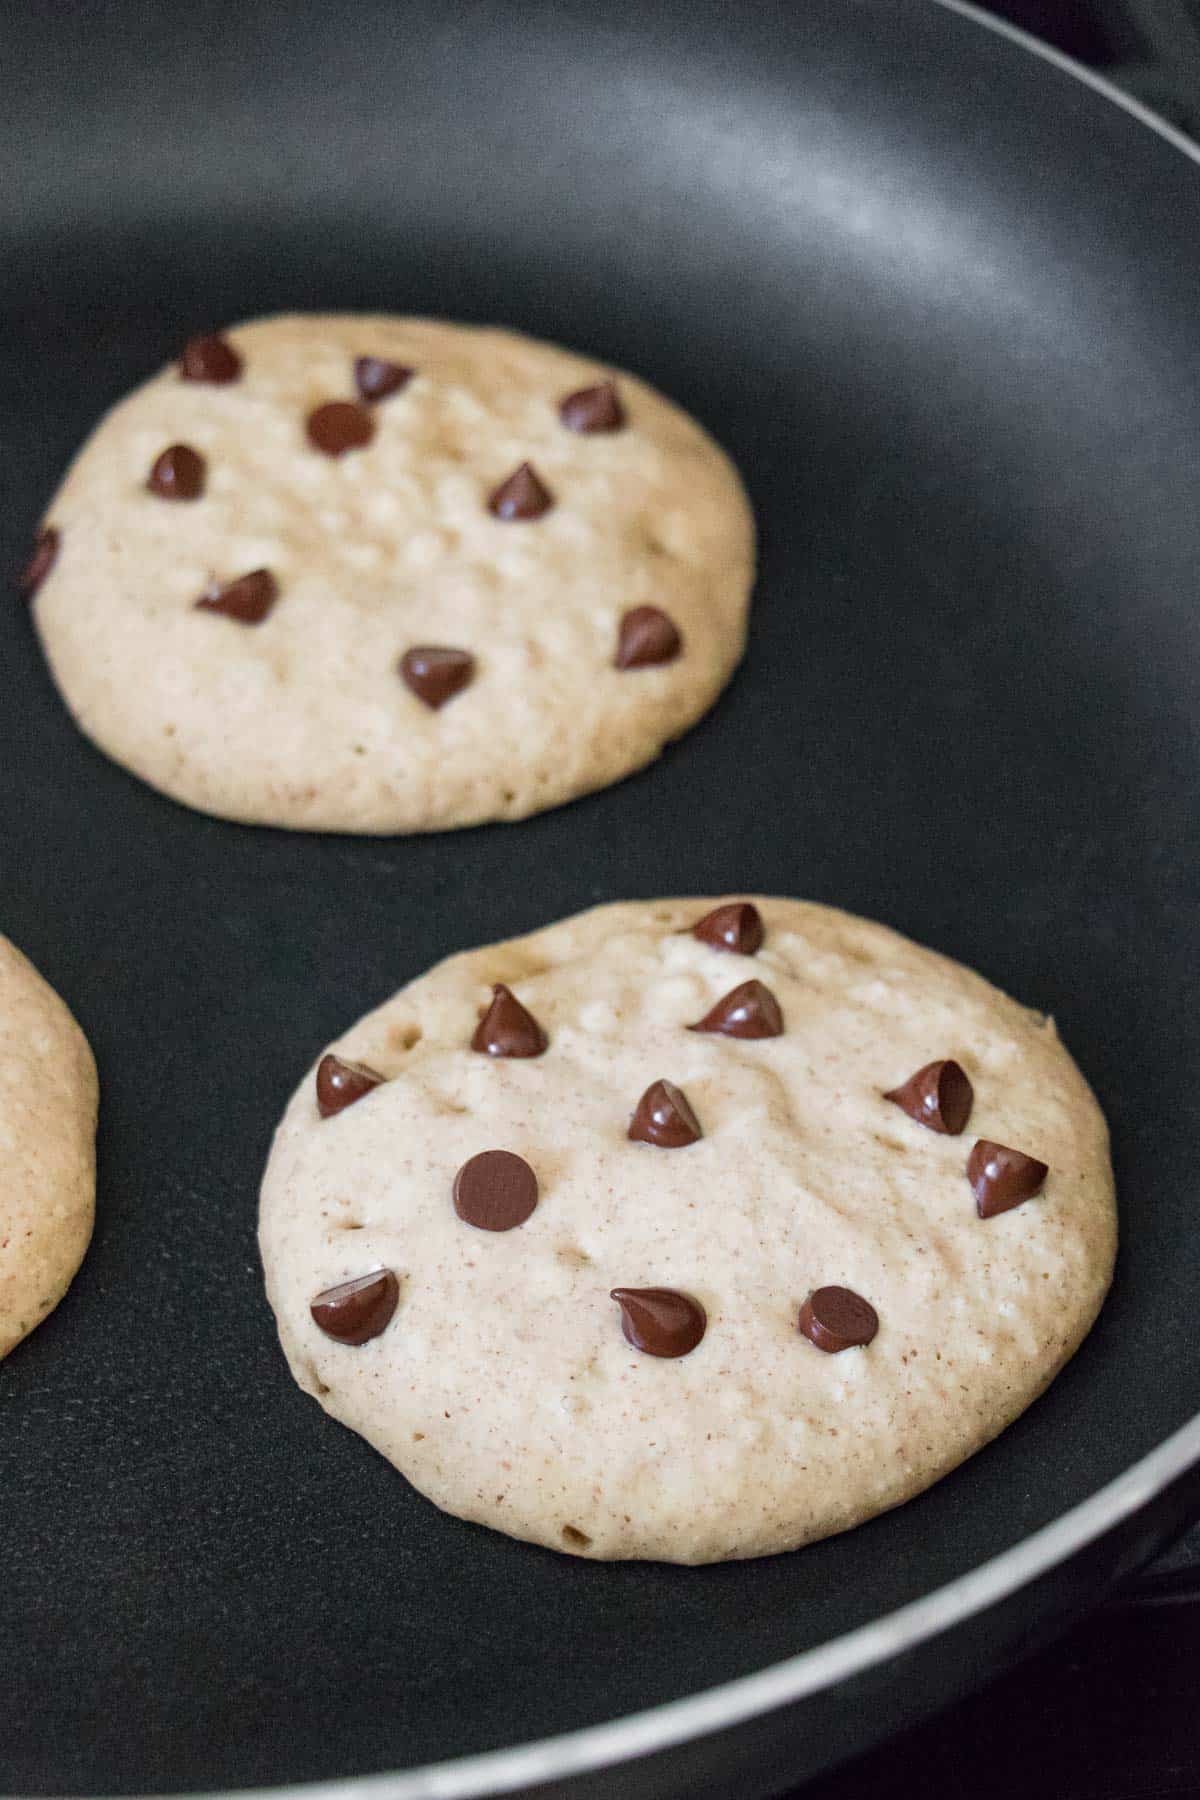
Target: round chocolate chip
[[660, 1321], [338, 426], [355, 1311], [646, 637], [210, 358], [748, 1011], [376, 379], [45, 555], [177, 474], [664, 1117], [836, 1318], [248, 599], [1001, 1178], [435, 672], [507, 1028], [495, 1191], [735, 926], [593, 409], [340, 1084], [939, 1095], [523, 496]]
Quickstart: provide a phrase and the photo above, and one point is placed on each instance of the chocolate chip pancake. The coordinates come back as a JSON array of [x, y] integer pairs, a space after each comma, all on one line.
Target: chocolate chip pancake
[[47, 1147], [687, 1229], [380, 575]]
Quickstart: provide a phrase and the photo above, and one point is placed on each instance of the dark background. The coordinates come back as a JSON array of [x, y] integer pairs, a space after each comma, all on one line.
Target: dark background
[[1150, 48], [1107, 1713]]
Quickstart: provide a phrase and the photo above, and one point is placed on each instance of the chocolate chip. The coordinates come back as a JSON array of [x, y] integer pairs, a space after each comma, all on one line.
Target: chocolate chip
[[45, 555], [435, 673], [748, 1011], [836, 1318], [939, 1095], [495, 1191], [338, 426], [735, 926], [660, 1321], [210, 358], [593, 409], [355, 1311], [507, 1028], [340, 1084], [664, 1117], [248, 599], [522, 496], [178, 474], [646, 636], [376, 379], [1001, 1178]]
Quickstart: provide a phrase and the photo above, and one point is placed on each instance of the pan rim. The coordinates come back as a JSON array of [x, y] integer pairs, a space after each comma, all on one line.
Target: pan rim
[[641, 1734]]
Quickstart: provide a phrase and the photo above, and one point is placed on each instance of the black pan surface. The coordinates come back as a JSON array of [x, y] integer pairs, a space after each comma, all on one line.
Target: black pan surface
[[940, 302]]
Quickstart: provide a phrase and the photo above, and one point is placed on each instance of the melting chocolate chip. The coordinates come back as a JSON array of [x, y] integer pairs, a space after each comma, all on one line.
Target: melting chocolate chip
[[45, 555], [593, 409], [523, 496], [210, 358], [340, 1084], [355, 1311], [939, 1095], [735, 926], [178, 474], [495, 1191], [338, 426], [748, 1011], [376, 379], [248, 599], [664, 1117], [836, 1318], [507, 1028], [1001, 1178], [435, 673], [646, 636], [660, 1321]]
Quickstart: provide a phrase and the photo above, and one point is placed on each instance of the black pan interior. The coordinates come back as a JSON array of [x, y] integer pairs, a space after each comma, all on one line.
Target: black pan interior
[[939, 301]]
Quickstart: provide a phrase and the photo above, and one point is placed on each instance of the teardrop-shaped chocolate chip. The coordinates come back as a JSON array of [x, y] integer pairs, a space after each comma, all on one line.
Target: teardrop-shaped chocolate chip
[[338, 426], [645, 638], [210, 357], [377, 379], [435, 672], [660, 1321], [836, 1318], [664, 1117], [45, 555], [495, 1191], [736, 926], [341, 1083], [1001, 1178], [593, 409], [177, 474], [523, 496], [248, 599], [355, 1311], [507, 1028], [748, 1011], [939, 1095]]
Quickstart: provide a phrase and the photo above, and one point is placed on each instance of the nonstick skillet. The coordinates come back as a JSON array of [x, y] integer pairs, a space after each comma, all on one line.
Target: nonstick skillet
[[939, 300]]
